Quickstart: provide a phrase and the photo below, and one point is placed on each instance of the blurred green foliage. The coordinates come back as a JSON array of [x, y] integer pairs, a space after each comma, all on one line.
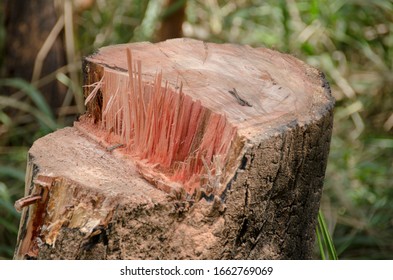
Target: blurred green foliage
[[350, 40]]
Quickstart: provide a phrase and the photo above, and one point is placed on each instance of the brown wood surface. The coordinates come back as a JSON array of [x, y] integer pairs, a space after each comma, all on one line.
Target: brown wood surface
[[247, 187]]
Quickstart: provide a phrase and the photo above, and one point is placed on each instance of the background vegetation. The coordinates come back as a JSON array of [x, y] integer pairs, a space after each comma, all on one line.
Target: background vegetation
[[351, 41]]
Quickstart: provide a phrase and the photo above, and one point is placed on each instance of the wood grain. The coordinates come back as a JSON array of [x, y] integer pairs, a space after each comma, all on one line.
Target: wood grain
[[232, 168]]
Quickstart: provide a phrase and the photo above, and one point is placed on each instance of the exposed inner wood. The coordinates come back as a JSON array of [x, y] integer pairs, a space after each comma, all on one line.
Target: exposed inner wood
[[237, 138], [61, 158], [185, 115], [175, 141]]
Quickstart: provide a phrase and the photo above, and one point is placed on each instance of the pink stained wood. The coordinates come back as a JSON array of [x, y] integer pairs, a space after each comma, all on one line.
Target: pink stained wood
[[177, 103]]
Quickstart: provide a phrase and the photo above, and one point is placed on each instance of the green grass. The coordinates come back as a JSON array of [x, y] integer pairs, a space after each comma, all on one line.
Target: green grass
[[351, 41], [326, 247]]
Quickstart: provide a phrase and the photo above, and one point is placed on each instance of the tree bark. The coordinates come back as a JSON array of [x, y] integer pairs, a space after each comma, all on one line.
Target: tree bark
[[28, 24], [188, 150], [172, 19]]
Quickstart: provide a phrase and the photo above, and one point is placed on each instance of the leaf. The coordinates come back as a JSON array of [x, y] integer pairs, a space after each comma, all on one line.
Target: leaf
[[32, 92], [325, 242], [45, 120]]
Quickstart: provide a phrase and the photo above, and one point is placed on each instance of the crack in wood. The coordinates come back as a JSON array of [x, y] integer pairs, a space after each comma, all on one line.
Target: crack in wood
[[206, 47], [239, 100]]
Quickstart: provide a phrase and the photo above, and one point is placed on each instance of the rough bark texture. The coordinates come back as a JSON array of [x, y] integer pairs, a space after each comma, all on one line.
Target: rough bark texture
[[97, 203]]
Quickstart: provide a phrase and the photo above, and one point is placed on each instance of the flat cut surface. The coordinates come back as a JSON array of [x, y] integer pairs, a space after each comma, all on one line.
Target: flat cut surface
[[279, 87], [93, 166]]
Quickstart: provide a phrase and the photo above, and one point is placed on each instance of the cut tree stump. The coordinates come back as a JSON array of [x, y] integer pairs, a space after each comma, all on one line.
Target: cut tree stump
[[188, 150]]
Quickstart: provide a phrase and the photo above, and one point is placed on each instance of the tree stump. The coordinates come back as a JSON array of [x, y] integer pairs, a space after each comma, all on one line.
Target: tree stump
[[188, 150]]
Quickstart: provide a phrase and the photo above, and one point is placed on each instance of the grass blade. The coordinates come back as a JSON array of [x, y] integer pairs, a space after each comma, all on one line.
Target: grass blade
[[325, 242], [32, 92], [320, 243], [12, 172], [45, 120]]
